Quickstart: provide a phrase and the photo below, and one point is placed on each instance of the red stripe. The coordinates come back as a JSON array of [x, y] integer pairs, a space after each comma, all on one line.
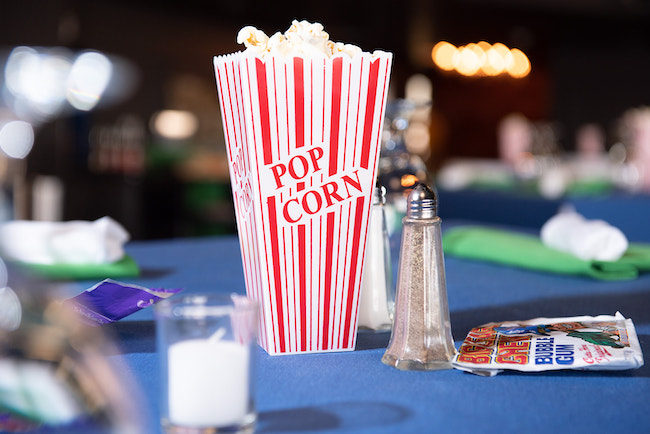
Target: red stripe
[[261, 287], [259, 192], [299, 97], [258, 277], [240, 104], [256, 255], [311, 101], [286, 106], [264, 110], [275, 98], [353, 266], [336, 112], [328, 279], [345, 132], [352, 339], [345, 261], [370, 111], [275, 254], [323, 100], [320, 270], [240, 99], [381, 116], [235, 120], [354, 149], [302, 272], [311, 284], [294, 288], [285, 297], [223, 112], [337, 286]]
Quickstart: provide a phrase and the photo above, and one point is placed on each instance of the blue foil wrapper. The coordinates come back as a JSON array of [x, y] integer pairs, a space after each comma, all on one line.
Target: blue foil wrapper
[[110, 301]]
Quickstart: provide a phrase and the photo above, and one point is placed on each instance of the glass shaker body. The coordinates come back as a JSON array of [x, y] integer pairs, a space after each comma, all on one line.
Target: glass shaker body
[[421, 337], [377, 299]]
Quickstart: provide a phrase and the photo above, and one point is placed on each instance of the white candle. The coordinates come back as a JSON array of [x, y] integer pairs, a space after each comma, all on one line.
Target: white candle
[[208, 382]]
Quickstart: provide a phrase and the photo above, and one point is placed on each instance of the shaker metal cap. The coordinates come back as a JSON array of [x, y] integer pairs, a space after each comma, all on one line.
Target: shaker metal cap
[[422, 202], [379, 195]]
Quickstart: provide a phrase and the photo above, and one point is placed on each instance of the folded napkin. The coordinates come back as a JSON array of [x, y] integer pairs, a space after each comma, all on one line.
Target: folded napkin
[[586, 239], [125, 267], [527, 251], [74, 250]]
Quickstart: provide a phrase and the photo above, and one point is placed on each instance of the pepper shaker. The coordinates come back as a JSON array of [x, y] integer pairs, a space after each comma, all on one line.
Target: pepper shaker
[[377, 299], [421, 337]]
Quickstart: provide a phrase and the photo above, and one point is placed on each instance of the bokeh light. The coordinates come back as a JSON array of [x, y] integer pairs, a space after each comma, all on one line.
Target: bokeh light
[[479, 52], [88, 78], [521, 65], [16, 138], [466, 61], [495, 63], [10, 309], [37, 80], [505, 54], [443, 55], [174, 124], [481, 59], [408, 180]]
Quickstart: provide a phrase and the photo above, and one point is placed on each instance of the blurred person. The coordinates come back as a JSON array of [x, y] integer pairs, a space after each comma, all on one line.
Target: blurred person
[[590, 142], [515, 138], [587, 171], [591, 163], [634, 130]]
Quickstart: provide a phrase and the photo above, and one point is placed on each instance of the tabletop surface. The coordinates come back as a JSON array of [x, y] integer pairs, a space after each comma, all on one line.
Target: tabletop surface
[[354, 391], [627, 211]]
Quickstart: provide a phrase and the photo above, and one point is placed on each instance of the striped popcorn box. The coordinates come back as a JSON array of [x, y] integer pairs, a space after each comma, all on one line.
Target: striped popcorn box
[[302, 137]]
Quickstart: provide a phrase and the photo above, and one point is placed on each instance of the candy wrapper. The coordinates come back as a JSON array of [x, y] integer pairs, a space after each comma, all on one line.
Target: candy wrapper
[[603, 342], [110, 301]]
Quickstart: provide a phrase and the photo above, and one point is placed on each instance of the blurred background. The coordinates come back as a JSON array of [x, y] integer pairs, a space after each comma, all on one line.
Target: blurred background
[[110, 107]]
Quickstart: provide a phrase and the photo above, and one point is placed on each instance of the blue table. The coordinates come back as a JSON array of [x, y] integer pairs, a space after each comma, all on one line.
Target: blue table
[[354, 391], [629, 212]]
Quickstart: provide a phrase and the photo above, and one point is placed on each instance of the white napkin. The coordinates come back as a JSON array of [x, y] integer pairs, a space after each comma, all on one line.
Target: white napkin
[[75, 242], [586, 239]]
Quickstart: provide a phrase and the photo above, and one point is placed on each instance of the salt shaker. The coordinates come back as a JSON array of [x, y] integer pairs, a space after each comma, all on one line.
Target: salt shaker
[[421, 337], [377, 299]]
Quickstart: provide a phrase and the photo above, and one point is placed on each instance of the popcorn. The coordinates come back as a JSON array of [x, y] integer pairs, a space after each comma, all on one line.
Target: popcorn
[[301, 39], [253, 39]]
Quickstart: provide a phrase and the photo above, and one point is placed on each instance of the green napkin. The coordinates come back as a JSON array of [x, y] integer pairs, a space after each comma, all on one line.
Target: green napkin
[[527, 251], [590, 187], [125, 267]]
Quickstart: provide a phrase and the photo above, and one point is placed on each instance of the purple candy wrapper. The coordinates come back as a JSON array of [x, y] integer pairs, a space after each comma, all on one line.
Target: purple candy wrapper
[[110, 301]]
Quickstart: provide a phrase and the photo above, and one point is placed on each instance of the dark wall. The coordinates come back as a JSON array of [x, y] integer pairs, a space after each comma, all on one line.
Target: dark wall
[[590, 61]]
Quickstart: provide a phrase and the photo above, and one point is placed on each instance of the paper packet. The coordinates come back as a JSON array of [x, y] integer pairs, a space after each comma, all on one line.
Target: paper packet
[[109, 301], [603, 342]]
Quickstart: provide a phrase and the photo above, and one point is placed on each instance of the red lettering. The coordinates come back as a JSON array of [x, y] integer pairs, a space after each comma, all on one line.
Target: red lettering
[[292, 170], [349, 181], [329, 194], [278, 170], [285, 211], [480, 359], [513, 350], [305, 202], [314, 159]]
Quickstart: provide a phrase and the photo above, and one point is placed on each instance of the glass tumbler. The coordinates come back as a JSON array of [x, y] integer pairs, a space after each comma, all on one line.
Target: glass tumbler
[[205, 344]]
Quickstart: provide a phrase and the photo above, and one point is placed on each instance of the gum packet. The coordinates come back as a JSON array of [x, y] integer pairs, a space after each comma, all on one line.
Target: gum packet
[[603, 342], [110, 301]]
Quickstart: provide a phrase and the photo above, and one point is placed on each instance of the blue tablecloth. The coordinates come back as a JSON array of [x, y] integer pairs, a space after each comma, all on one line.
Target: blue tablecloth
[[629, 212], [354, 391]]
